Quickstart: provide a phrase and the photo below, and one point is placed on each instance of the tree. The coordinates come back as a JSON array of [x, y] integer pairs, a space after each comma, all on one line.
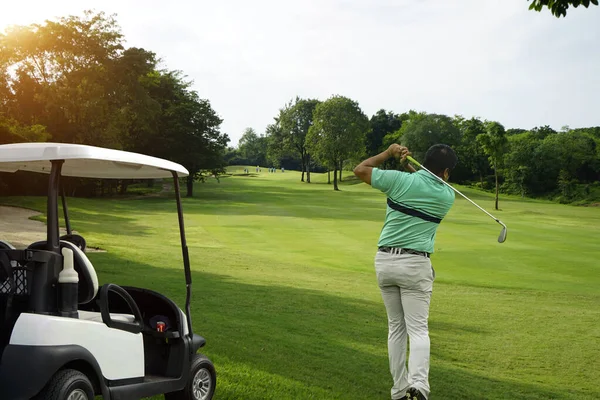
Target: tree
[[62, 76], [571, 157], [494, 144], [541, 132], [253, 147], [187, 128], [338, 132], [72, 80], [202, 146], [515, 131], [470, 151], [11, 131], [136, 88], [421, 131], [559, 7], [382, 123], [275, 144], [592, 131], [295, 119], [521, 165]]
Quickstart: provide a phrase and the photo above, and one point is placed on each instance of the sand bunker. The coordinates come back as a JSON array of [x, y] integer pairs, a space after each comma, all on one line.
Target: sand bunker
[[18, 229]]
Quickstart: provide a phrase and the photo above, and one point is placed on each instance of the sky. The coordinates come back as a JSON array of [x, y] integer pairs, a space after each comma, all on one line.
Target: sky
[[492, 59]]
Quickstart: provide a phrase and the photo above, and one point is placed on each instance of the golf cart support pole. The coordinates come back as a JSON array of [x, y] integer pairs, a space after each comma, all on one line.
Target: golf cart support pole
[[184, 251], [65, 211], [52, 207]]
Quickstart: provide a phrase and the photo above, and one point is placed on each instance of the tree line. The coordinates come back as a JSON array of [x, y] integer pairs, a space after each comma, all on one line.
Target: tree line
[[73, 80], [335, 134]]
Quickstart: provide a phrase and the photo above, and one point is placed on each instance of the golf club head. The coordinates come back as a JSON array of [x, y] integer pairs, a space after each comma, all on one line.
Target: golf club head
[[502, 236]]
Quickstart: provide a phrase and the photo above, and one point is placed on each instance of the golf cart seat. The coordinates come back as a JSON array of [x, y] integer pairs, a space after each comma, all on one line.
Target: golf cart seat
[[77, 240], [88, 280], [88, 284]]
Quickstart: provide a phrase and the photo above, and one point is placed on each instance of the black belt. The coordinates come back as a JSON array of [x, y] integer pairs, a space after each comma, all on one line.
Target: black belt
[[398, 250]]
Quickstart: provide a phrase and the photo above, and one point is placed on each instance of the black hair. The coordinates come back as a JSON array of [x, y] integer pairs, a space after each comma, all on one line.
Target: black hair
[[439, 157]]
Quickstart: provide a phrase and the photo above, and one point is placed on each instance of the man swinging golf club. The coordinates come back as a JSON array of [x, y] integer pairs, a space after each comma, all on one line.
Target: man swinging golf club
[[417, 203]]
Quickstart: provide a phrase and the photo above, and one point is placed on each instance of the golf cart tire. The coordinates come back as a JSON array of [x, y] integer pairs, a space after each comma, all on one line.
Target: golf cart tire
[[64, 383], [199, 362]]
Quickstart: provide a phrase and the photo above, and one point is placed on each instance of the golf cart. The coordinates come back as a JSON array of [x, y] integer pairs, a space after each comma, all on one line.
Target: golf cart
[[65, 337]]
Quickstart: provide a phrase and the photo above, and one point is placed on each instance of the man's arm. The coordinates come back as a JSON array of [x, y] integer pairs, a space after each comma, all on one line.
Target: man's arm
[[364, 170]]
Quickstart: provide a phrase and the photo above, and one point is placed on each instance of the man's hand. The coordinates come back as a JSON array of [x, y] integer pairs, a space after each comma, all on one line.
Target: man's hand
[[399, 152], [404, 154]]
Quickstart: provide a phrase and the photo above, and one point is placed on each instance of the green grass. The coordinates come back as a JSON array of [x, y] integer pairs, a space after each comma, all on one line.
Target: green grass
[[285, 292]]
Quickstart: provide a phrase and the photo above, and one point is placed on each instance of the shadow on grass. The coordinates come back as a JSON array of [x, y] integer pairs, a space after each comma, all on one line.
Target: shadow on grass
[[315, 201], [276, 342], [240, 198], [83, 213]]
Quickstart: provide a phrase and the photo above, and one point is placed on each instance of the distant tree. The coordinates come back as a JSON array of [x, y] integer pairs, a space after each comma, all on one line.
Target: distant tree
[[295, 119], [470, 152], [541, 132], [382, 123], [188, 129], [592, 131], [577, 154], [253, 147], [275, 152], [521, 164], [495, 145], [515, 131], [231, 156], [338, 132], [559, 7], [420, 131], [11, 131], [248, 143]]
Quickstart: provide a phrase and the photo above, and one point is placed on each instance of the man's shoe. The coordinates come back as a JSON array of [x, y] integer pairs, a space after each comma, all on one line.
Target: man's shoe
[[414, 394]]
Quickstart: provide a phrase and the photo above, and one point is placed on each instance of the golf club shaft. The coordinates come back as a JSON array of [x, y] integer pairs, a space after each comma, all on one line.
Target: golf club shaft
[[453, 188]]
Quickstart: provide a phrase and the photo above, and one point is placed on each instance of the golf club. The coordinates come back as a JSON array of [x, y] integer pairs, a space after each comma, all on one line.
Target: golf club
[[502, 236]]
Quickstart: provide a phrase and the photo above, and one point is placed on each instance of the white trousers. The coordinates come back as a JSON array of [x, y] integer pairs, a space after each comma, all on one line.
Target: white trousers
[[406, 282]]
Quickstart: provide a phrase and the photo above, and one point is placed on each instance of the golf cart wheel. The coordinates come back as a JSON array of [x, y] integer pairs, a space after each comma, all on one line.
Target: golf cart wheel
[[202, 384], [67, 384]]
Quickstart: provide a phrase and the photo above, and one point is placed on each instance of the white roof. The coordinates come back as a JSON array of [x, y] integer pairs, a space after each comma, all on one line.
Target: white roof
[[85, 161]]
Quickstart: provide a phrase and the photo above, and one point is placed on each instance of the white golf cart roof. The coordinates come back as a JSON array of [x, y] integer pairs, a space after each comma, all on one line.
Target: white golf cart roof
[[85, 161]]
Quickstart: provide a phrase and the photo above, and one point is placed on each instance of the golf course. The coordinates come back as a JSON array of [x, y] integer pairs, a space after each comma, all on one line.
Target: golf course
[[284, 289]]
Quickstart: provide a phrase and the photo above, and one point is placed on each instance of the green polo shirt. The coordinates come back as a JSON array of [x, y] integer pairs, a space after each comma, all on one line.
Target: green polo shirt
[[417, 202]]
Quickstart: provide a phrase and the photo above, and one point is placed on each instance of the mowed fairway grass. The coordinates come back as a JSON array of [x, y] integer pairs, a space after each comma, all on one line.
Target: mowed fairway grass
[[285, 293]]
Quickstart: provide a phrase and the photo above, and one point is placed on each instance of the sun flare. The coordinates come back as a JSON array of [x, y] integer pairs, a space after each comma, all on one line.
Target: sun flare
[[18, 13]]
